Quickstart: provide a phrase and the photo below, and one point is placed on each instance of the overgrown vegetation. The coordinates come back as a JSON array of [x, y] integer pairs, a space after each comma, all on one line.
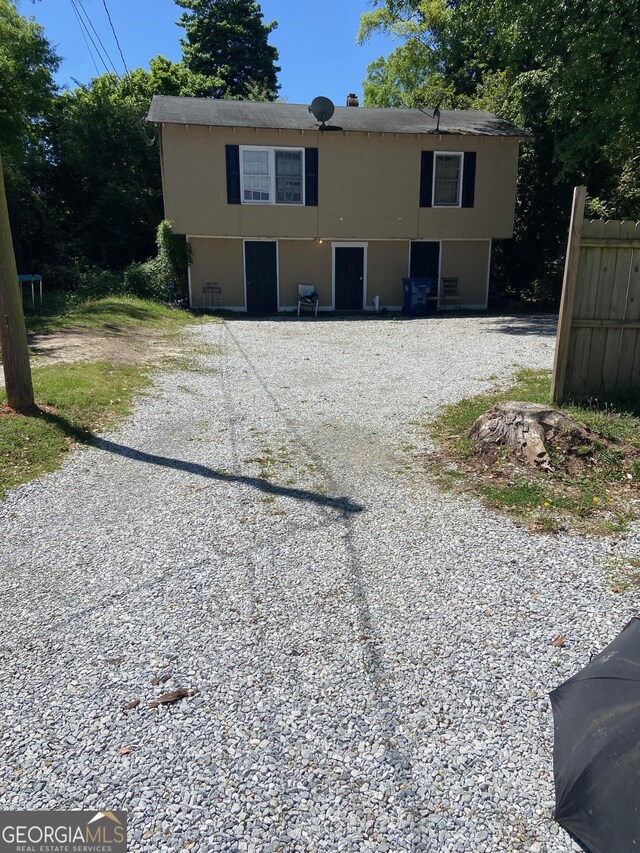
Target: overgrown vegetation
[[77, 400], [593, 487], [165, 276], [83, 168], [567, 72]]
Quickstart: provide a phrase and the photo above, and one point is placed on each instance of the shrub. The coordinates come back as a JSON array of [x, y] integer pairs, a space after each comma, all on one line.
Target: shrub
[[165, 276], [84, 281]]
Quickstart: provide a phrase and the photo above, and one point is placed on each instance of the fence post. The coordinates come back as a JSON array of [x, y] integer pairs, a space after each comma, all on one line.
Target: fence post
[[568, 294]]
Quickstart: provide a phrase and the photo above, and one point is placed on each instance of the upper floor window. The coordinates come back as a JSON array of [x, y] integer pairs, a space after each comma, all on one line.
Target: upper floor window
[[447, 180], [271, 175]]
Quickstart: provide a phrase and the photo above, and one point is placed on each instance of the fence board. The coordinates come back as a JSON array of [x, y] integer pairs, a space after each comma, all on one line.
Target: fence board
[[598, 343], [630, 342], [617, 312]]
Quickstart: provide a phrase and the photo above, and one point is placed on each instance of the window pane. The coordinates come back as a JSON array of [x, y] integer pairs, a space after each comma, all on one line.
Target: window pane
[[289, 163], [289, 190], [288, 177], [255, 162], [256, 184], [256, 189], [447, 179]]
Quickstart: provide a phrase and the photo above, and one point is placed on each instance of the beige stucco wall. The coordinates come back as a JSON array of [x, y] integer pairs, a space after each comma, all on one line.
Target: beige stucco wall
[[309, 261], [368, 186], [468, 260], [304, 262], [388, 263], [220, 261]]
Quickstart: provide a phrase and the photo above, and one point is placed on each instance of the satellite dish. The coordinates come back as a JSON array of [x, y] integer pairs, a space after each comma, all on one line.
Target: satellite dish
[[322, 109]]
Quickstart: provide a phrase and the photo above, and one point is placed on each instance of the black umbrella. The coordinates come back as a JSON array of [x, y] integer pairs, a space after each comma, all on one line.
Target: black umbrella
[[596, 752]]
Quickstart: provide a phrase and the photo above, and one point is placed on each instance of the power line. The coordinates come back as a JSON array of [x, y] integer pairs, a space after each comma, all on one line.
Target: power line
[[85, 29], [106, 52], [113, 30], [95, 64]]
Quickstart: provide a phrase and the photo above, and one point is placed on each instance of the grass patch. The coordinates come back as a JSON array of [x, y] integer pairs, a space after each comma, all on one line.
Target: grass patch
[[80, 399], [112, 312], [599, 495], [623, 574]]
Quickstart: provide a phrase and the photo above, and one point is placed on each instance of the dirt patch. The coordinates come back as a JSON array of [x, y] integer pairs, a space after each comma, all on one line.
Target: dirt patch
[[117, 345], [592, 484]]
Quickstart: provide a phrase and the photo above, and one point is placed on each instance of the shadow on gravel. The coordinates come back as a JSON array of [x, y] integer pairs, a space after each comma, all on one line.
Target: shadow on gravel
[[344, 505], [535, 325]]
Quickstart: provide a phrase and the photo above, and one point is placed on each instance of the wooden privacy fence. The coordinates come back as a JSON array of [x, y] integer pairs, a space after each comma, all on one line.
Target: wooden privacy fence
[[598, 342]]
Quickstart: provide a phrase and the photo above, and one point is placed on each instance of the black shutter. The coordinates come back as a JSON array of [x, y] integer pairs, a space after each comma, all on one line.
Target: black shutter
[[311, 177], [426, 178], [469, 179], [233, 173]]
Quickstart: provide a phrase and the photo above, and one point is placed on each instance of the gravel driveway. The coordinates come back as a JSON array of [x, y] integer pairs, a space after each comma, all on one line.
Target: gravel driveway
[[370, 657]]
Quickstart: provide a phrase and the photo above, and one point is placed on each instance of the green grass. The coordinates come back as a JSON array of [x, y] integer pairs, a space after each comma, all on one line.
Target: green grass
[[112, 312], [80, 399], [599, 499]]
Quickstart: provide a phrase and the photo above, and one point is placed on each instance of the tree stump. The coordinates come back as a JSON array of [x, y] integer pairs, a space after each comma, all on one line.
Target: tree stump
[[524, 428]]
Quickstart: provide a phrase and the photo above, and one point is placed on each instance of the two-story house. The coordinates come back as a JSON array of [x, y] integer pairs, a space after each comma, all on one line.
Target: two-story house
[[269, 198]]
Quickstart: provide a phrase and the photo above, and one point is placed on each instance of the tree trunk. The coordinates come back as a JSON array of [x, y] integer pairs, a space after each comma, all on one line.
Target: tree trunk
[[523, 427], [13, 332]]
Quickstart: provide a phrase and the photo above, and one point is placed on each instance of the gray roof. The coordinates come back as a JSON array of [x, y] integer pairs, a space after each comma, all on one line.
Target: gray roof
[[167, 109]]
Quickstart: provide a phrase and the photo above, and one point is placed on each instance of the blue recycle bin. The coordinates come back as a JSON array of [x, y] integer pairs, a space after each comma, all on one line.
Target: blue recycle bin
[[416, 296]]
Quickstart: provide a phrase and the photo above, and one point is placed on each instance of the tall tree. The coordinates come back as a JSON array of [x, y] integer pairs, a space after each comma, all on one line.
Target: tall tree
[[96, 199], [227, 41], [27, 63], [569, 72]]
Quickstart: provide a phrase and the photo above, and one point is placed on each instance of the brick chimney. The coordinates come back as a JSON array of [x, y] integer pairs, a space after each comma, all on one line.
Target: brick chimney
[[352, 100]]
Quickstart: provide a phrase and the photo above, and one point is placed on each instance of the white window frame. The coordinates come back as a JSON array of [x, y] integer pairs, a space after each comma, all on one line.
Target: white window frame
[[460, 155], [271, 151]]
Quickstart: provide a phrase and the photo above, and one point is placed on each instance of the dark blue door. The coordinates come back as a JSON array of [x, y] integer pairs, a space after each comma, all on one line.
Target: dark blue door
[[261, 276], [349, 278]]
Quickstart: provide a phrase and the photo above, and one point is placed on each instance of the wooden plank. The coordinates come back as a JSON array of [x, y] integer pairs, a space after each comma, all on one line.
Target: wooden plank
[[630, 342], [605, 324], [592, 373], [576, 381], [617, 312], [586, 229], [568, 295], [612, 244], [590, 275]]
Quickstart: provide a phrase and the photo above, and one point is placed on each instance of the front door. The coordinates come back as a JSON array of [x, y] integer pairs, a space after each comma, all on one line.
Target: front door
[[261, 276], [425, 260], [349, 278]]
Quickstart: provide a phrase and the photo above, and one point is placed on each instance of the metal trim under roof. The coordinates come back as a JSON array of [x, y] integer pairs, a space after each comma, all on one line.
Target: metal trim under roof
[[167, 109]]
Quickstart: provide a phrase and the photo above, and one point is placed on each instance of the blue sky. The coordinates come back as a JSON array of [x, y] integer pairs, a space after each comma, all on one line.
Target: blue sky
[[316, 40]]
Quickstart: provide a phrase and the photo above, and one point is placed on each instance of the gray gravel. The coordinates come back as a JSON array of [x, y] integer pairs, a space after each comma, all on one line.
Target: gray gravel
[[371, 657]]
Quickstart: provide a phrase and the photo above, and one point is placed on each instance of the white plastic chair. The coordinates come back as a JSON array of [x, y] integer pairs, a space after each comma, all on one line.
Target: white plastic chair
[[307, 298]]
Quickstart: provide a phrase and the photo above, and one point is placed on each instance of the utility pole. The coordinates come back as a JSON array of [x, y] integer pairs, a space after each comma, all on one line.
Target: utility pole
[[13, 332]]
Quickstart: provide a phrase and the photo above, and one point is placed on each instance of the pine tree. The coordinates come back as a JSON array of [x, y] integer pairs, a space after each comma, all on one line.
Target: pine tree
[[227, 41]]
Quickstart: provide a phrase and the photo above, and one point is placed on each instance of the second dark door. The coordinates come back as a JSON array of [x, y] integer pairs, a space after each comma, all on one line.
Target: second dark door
[[261, 276], [349, 275]]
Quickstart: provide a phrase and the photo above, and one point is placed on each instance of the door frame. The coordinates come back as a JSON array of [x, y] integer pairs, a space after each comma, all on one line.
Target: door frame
[[429, 240], [244, 267], [343, 245]]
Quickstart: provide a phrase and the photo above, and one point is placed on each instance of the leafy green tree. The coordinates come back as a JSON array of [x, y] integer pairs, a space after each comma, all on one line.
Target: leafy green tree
[[227, 42], [27, 64], [568, 72], [96, 199]]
